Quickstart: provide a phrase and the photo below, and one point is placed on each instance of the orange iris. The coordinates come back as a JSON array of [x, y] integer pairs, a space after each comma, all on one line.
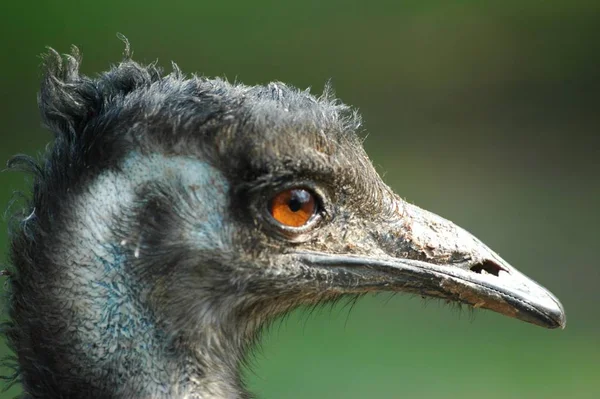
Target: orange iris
[[293, 208]]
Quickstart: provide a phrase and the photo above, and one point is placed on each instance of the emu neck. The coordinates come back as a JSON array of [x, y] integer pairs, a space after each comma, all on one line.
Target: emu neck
[[125, 350], [122, 323]]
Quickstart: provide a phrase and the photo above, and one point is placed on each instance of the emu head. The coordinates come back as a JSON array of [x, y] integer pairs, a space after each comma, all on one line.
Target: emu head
[[174, 216]]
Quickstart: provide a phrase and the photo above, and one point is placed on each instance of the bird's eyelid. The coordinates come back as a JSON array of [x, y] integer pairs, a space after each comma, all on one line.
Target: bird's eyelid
[[265, 189], [260, 207]]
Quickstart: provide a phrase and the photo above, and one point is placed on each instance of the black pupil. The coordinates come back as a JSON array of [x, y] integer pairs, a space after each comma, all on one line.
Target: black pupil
[[298, 199]]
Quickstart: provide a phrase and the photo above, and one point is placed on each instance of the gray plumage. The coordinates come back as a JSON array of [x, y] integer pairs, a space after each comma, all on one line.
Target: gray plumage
[[147, 261]]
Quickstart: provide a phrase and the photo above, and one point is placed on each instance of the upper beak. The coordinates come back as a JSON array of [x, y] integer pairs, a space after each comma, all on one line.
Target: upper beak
[[426, 254]]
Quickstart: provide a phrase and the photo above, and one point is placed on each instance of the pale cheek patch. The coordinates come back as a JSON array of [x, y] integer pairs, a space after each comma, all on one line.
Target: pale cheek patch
[[110, 322]]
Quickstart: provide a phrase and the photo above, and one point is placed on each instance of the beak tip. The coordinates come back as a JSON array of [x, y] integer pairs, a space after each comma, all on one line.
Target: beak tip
[[555, 312], [560, 315]]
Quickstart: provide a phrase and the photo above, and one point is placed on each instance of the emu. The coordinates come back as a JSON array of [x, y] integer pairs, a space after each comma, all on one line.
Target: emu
[[174, 216]]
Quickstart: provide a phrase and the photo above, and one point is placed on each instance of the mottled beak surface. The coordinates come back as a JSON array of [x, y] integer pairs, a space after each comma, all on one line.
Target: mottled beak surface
[[422, 253]]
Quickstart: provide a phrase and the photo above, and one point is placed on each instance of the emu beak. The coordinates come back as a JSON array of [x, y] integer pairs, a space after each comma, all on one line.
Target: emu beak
[[431, 256]]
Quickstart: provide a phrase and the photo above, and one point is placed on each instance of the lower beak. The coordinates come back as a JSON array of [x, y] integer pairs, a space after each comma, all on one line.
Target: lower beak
[[432, 257]]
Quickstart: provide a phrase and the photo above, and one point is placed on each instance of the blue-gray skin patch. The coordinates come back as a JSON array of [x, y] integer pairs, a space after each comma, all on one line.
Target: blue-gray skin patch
[[113, 326]]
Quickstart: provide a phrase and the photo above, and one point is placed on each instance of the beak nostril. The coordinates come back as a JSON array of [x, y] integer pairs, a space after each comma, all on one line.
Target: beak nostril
[[487, 267]]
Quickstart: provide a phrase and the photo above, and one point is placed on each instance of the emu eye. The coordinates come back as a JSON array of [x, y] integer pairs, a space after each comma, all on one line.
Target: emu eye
[[294, 207]]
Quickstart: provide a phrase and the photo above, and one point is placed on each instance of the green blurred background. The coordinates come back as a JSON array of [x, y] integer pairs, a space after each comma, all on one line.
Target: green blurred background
[[484, 112]]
